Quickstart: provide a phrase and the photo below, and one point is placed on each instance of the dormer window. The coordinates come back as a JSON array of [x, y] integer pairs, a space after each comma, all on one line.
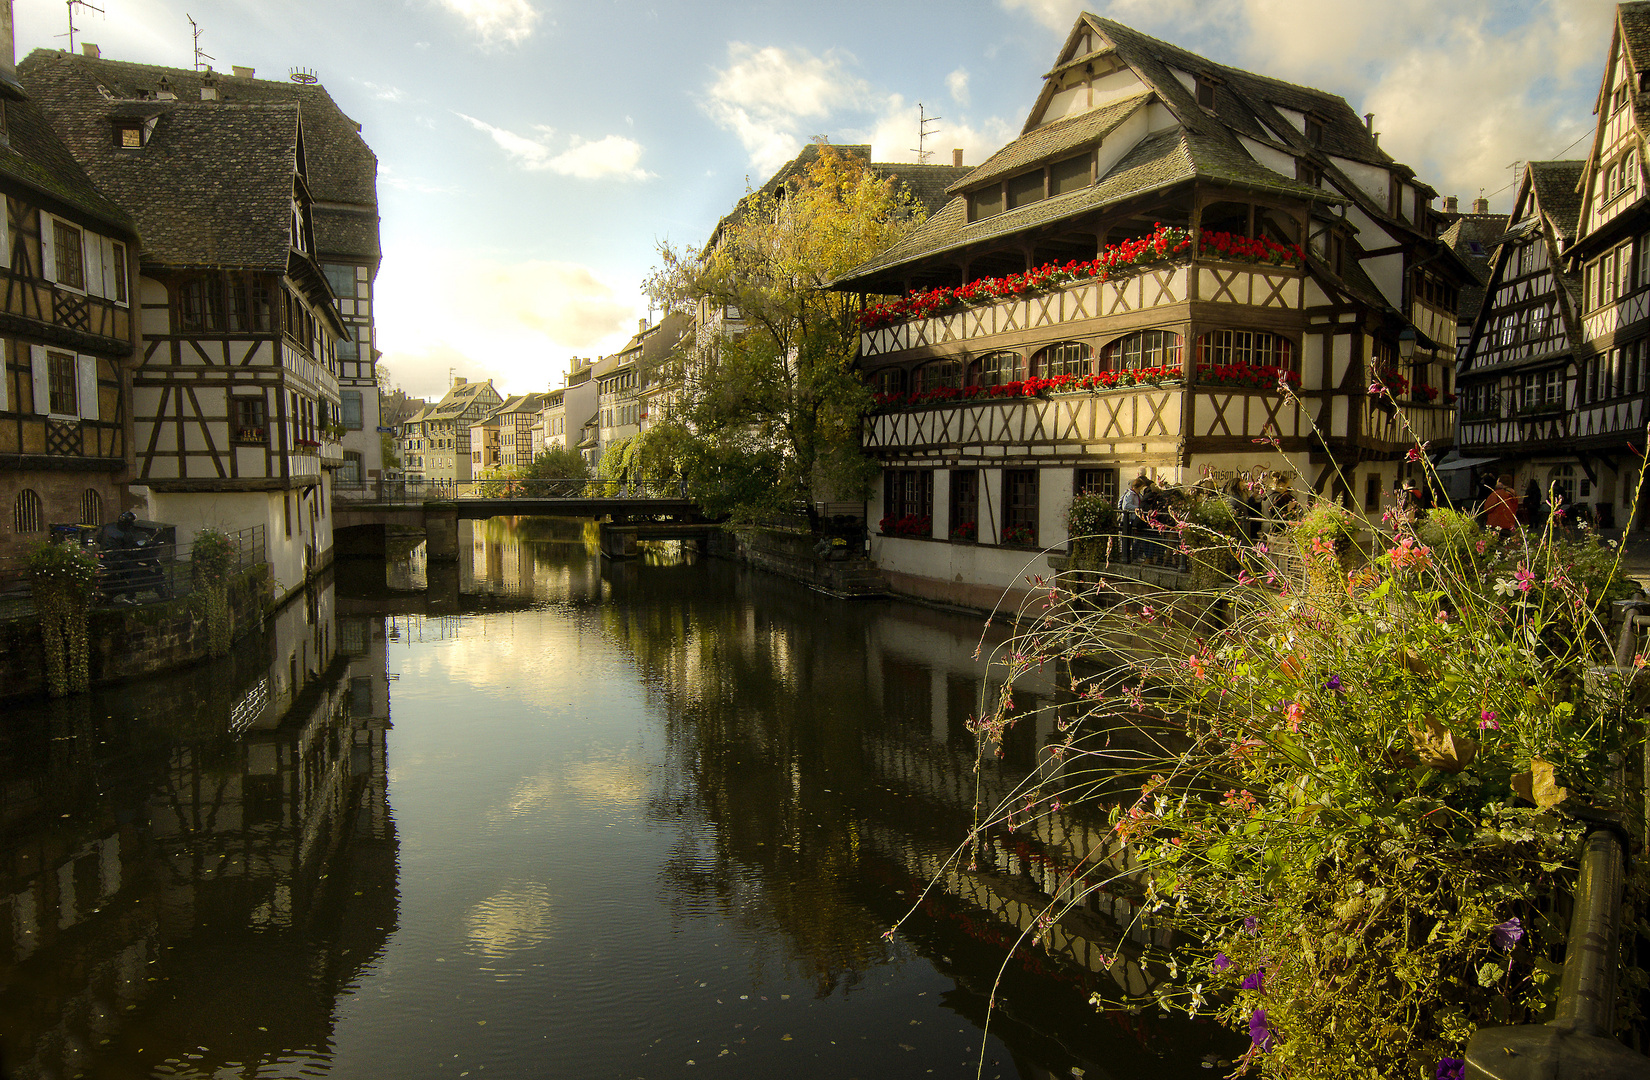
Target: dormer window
[[128, 134], [1314, 131], [1205, 92]]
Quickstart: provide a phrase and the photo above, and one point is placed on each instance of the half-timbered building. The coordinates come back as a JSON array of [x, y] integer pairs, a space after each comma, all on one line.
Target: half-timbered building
[[414, 444], [516, 418], [67, 333], [342, 176], [236, 406], [448, 457], [550, 429], [1236, 228], [1518, 374], [1605, 421]]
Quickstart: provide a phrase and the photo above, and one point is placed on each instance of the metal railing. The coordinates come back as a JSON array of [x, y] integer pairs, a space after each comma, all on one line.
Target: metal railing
[[409, 492], [152, 574]]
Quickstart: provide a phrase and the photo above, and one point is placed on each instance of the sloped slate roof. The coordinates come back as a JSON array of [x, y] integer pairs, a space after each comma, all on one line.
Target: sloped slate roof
[[1241, 95], [1556, 184], [339, 166], [35, 157], [1473, 238], [1157, 162], [1055, 140], [459, 398]]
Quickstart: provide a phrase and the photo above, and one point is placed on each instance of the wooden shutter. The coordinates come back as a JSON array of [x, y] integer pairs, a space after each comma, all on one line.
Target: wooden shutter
[[48, 248], [5, 234], [113, 253], [5, 372], [42, 377], [92, 245], [86, 371]]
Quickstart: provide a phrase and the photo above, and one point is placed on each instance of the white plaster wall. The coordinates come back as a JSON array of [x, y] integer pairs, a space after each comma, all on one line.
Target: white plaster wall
[[970, 564], [1054, 494], [1276, 160], [233, 511], [158, 319], [1124, 138], [1371, 178]]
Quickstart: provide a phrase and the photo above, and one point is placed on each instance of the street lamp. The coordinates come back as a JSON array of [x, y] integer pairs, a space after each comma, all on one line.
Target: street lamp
[[1406, 343]]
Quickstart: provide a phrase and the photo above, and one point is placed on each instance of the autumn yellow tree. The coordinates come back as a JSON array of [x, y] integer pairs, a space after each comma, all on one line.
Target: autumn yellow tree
[[771, 416]]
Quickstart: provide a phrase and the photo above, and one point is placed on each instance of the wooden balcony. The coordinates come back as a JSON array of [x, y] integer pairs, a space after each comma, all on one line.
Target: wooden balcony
[[1058, 312]]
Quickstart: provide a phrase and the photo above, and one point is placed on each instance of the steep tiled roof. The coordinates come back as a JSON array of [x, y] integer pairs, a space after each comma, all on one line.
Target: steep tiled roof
[[340, 167], [1555, 189], [34, 156], [1473, 238], [1158, 162], [459, 398], [1057, 139]]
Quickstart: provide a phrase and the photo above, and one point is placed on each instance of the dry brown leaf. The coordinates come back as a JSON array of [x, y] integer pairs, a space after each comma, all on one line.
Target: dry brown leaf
[[1417, 665], [1438, 747], [1538, 785]]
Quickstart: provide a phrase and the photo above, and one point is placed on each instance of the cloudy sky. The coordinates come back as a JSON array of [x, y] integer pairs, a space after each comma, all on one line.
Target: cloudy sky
[[533, 153]]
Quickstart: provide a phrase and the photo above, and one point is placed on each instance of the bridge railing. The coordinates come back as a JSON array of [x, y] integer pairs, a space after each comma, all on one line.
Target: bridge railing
[[412, 492]]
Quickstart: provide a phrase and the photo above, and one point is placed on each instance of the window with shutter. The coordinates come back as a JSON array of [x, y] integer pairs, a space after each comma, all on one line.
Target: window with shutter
[[68, 257], [42, 381], [5, 373], [48, 254]]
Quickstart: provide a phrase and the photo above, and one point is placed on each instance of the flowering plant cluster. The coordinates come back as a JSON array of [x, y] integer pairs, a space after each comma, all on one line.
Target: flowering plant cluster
[[909, 525], [1425, 392], [1385, 757], [1019, 534], [967, 530], [1236, 248], [1257, 377], [1389, 381], [1037, 386]]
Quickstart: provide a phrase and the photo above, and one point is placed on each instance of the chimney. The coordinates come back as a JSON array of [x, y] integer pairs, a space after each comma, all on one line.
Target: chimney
[[1480, 205], [459, 380], [9, 86], [641, 324], [1369, 122], [241, 72], [88, 49], [1451, 204], [956, 157]]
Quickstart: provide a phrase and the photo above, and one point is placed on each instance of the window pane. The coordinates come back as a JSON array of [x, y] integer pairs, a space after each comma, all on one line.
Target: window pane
[[1069, 175], [341, 278], [61, 381], [987, 202], [352, 409], [1025, 189], [71, 269]]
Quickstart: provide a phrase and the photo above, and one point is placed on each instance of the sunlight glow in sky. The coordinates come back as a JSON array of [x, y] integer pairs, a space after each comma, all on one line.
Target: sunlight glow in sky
[[532, 153]]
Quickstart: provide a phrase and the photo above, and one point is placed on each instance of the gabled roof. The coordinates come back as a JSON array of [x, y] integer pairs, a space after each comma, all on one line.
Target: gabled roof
[[1556, 190], [81, 94], [520, 403], [461, 397]]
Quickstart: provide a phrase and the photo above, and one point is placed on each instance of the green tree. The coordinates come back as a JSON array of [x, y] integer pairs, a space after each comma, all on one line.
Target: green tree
[[556, 464], [772, 415]]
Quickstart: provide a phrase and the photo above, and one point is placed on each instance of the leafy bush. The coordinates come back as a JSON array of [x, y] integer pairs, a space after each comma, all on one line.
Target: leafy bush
[[1091, 522], [1376, 792], [63, 578]]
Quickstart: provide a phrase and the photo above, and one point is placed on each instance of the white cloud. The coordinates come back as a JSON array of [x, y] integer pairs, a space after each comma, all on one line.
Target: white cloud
[[764, 95], [957, 83], [611, 156], [1460, 89], [496, 22], [515, 322]]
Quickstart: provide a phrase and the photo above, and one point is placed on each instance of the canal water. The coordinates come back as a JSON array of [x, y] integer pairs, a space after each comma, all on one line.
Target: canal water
[[541, 815]]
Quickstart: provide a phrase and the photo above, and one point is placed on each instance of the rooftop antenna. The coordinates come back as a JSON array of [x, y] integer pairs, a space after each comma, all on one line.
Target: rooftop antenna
[[72, 28], [195, 28], [923, 132]]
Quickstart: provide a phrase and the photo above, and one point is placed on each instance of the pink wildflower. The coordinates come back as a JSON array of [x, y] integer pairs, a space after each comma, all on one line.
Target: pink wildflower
[[1486, 719], [1525, 579], [1296, 712]]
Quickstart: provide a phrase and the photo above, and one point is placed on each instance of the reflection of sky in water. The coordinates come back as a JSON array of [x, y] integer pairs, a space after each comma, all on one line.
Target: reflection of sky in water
[[516, 919]]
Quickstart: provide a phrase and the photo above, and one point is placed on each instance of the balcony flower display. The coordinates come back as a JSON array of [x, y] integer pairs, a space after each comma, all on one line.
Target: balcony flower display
[[909, 525], [1037, 386], [1389, 380], [968, 530], [1426, 393], [1164, 243], [1248, 376]]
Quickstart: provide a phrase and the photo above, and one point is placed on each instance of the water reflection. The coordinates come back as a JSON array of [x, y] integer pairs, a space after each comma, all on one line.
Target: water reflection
[[196, 867], [648, 815]]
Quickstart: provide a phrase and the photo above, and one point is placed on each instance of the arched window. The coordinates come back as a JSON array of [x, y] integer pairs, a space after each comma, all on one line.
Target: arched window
[[941, 373], [995, 369], [1147, 349], [1252, 347], [1066, 358], [91, 507], [27, 514]]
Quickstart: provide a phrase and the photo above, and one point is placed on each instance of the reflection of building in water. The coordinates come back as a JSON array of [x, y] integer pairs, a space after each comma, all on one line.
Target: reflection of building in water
[[166, 874], [828, 745]]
